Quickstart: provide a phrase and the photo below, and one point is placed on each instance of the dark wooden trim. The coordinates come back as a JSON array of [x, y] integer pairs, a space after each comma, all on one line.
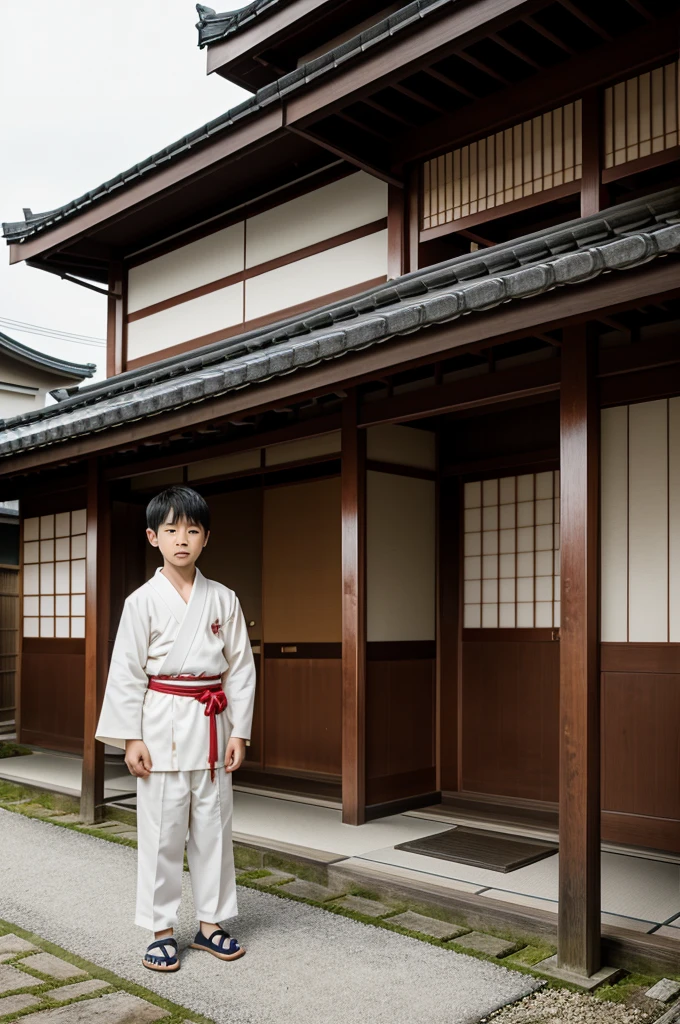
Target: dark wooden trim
[[398, 806], [353, 615], [579, 867], [244, 211], [591, 133], [400, 650], [645, 163], [414, 198], [293, 649], [115, 320], [645, 385], [390, 467], [262, 268], [261, 33], [250, 325], [612, 292], [97, 603], [520, 636], [396, 231], [632, 358], [569, 188], [52, 645], [232, 144], [641, 830], [383, 790], [566, 81], [366, 161], [540, 377], [632, 657]]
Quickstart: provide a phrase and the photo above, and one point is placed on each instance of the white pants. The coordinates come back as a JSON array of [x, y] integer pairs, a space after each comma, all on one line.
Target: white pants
[[169, 803]]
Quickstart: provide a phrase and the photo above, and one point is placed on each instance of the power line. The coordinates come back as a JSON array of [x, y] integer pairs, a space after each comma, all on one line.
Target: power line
[[49, 332]]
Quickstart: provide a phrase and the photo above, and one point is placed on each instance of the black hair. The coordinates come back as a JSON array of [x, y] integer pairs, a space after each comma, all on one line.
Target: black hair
[[184, 502]]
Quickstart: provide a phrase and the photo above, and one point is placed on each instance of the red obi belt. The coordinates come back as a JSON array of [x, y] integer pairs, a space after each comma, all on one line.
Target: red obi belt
[[213, 696]]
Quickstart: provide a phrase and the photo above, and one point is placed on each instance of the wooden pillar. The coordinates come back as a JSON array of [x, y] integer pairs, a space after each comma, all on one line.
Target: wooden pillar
[[579, 802], [353, 615], [396, 208], [115, 320], [97, 604], [414, 207], [593, 195]]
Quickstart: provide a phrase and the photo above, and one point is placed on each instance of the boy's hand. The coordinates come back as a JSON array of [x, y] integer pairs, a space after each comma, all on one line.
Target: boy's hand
[[137, 758], [235, 753]]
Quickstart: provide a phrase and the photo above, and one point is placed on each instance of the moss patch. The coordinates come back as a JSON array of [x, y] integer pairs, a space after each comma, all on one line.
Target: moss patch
[[13, 750]]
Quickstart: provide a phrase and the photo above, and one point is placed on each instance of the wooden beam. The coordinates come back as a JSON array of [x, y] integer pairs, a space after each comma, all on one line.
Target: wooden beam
[[450, 82], [550, 88], [115, 320], [579, 753], [417, 98], [353, 475], [262, 33], [498, 39], [484, 68], [616, 291], [396, 203], [414, 217], [550, 36], [591, 176], [98, 587], [365, 162], [585, 19]]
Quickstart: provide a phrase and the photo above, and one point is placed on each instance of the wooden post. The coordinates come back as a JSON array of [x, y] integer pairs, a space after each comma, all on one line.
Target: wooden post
[[115, 320], [97, 603], [593, 195], [396, 231], [579, 802], [353, 615], [414, 207]]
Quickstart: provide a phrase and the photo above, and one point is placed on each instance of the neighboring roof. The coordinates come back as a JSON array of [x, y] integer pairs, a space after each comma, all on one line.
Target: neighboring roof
[[573, 253], [43, 361], [212, 26], [409, 15]]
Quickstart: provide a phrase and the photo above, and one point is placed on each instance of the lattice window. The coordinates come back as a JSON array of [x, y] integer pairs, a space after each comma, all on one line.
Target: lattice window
[[54, 575], [512, 552], [641, 115], [530, 157]]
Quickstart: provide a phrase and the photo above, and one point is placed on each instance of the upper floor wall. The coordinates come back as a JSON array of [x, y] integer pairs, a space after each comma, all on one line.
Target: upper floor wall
[[313, 248]]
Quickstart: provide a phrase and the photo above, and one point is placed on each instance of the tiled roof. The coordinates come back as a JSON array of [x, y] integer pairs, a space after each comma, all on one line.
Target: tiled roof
[[212, 26], [623, 237], [409, 15], [43, 361]]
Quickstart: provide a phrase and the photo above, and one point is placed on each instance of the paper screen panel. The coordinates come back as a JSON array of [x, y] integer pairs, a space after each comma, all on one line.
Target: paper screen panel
[[641, 115], [53, 568]]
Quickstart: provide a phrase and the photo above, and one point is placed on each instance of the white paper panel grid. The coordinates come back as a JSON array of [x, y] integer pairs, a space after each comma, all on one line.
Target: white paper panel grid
[[511, 552], [54, 548]]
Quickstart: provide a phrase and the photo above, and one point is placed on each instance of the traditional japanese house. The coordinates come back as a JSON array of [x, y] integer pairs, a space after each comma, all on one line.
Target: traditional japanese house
[[408, 318]]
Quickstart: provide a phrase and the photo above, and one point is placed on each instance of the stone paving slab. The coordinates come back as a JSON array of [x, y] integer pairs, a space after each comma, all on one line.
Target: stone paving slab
[[116, 1008], [46, 963], [606, 975], [273, 878], [664, 990], [39, 810], [112, 827], [489, 944], [11, 943], [11, 978], [127, 835], [369, 908], [311, 890], [12, 1004], [79, 988], [428, 925], [4, 957], [69, 819]]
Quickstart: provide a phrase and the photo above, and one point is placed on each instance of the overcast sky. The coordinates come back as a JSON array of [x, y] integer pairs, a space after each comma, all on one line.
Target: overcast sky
[[86, 90]]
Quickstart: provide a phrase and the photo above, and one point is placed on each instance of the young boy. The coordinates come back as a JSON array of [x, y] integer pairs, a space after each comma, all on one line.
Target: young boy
[[179, 700]]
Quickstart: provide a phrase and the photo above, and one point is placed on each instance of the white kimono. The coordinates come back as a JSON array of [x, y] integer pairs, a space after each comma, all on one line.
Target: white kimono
[[160, 634]]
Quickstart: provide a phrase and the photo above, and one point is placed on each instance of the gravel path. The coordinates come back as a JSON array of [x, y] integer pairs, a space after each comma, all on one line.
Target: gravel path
[[559, 1006], [303, 964]]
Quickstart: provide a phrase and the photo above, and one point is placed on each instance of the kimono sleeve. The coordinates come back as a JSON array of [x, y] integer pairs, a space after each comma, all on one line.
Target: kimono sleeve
[[239, 684], [120, 718]]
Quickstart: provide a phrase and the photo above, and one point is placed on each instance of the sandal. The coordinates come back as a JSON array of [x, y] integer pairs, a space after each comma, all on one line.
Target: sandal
[[232, 952], [162, 962]]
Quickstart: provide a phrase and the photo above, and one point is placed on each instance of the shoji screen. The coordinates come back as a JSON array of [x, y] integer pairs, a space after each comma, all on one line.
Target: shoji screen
[[641, 115], [54, 575], [512, 552]]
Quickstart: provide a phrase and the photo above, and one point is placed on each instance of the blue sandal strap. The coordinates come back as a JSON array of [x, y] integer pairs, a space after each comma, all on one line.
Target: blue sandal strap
[[224, 936], [161, 943]]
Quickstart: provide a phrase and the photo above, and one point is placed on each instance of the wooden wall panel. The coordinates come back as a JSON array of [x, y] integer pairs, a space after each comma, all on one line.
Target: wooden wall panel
[[648, 522], [233, 555], [303, 715], [510, 718], [402, 445], [400, 723], [641, 743], [302, 589], [52, 669], [673, 519], [400, 557]]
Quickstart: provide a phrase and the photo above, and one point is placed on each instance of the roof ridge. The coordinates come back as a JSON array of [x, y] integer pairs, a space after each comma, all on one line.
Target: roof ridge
[[31, 355]]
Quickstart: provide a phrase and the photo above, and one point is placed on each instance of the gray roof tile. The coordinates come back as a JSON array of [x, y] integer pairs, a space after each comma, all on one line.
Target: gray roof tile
[[627, 236], [43, 361]]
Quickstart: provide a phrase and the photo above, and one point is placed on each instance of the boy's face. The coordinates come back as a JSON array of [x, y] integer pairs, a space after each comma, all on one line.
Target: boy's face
[[180, 542]]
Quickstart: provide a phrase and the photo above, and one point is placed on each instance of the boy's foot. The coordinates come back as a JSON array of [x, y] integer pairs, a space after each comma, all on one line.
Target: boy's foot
[[219, 943], [161, 955]]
